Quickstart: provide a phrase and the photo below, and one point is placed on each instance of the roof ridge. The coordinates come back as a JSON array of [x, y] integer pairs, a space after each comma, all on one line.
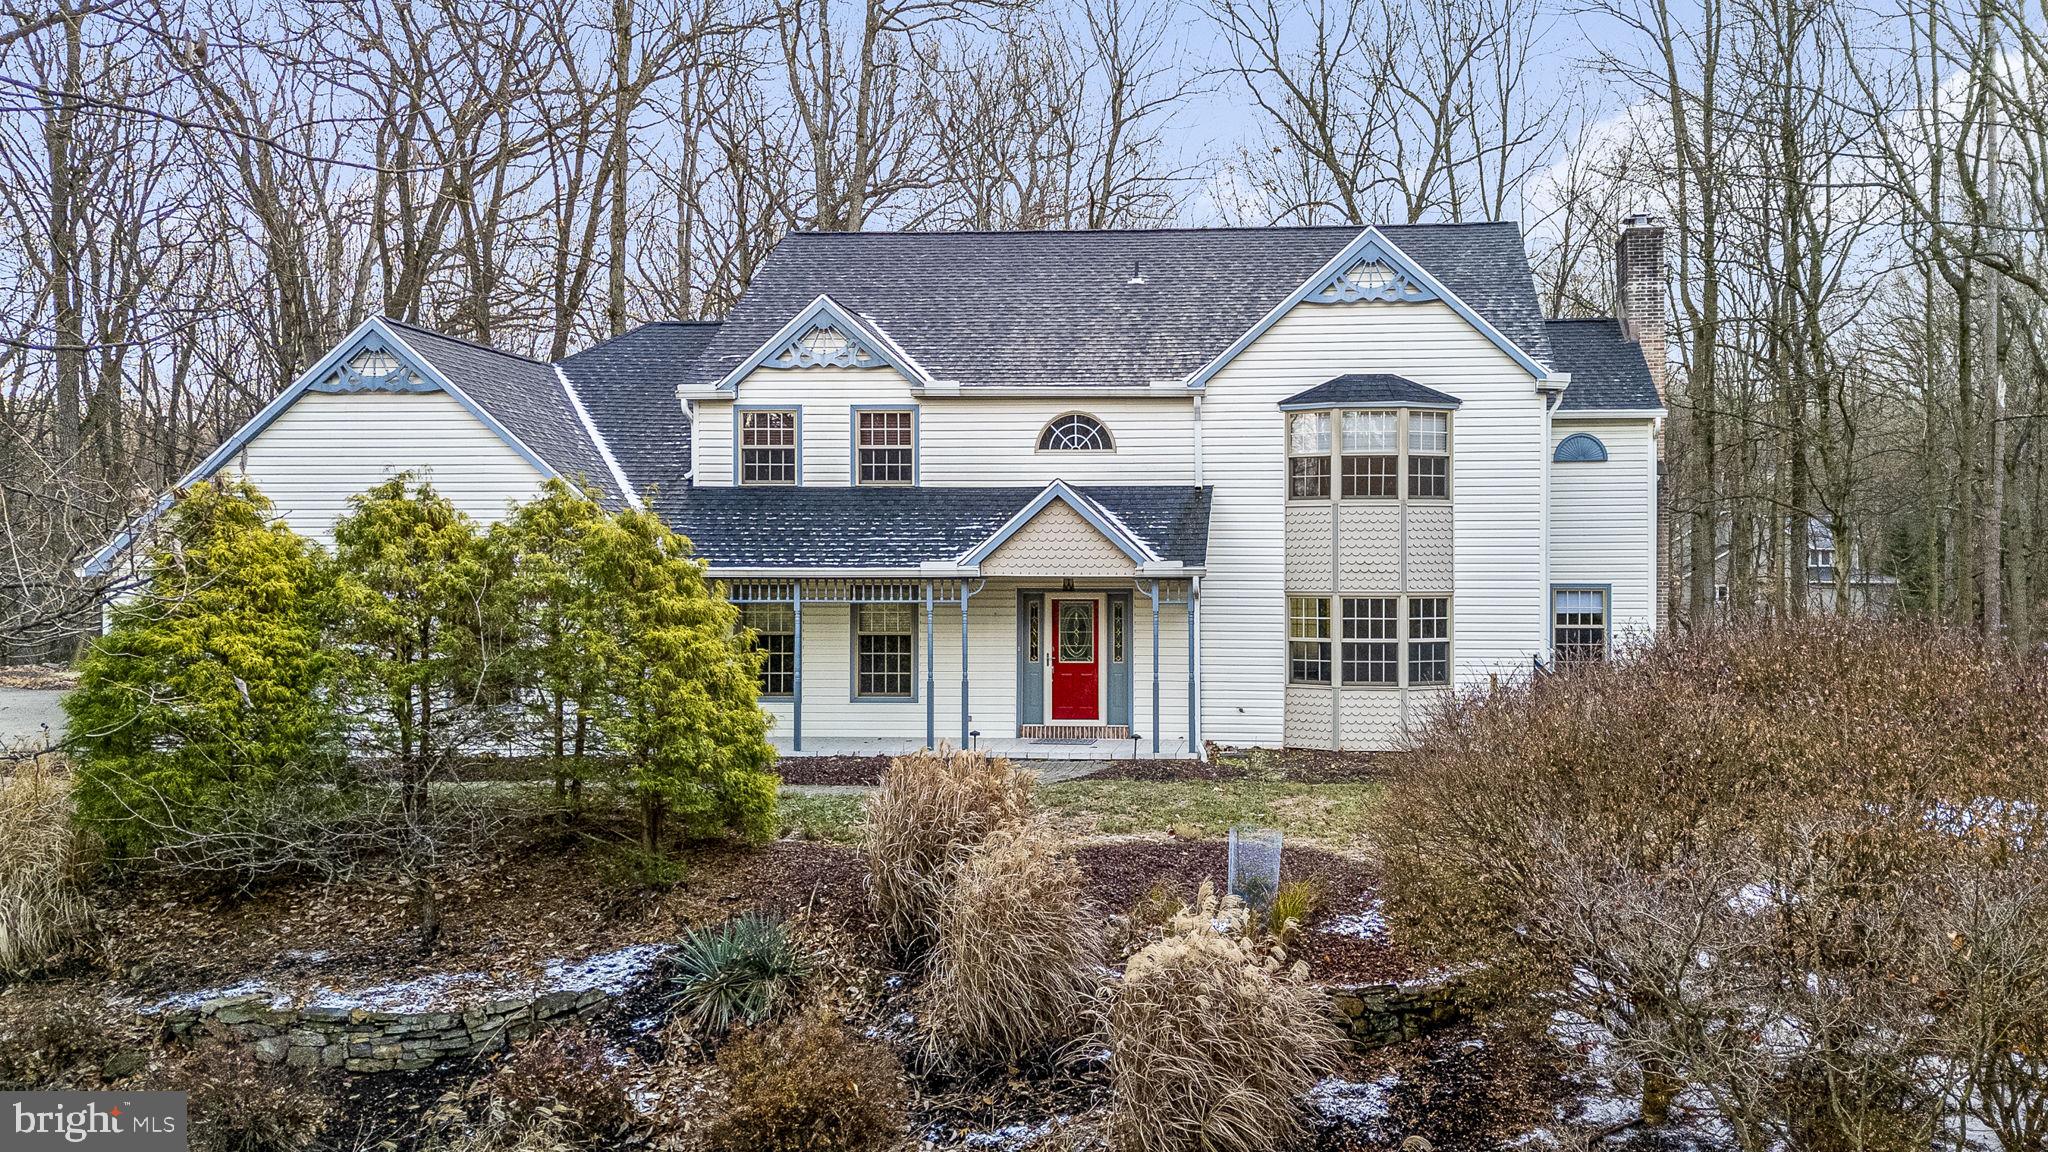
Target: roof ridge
[[478, 345], [1154, 231], [1581, 319]]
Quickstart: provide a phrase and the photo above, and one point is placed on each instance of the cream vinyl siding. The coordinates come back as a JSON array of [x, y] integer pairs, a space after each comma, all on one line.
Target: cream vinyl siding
[[962, 441], [830, 711], [1601, 526], [1496, 484], [328, 447]]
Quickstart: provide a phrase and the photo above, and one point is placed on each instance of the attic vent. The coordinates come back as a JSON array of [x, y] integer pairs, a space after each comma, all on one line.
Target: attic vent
[[373, 362], [1373, 276], [372, 368], [1369, 278]]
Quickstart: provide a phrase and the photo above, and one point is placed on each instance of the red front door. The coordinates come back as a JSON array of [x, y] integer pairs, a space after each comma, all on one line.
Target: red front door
[[1073, 661]]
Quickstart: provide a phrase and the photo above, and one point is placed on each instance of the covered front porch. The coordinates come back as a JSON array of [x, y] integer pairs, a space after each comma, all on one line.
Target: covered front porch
[[1053, 623]]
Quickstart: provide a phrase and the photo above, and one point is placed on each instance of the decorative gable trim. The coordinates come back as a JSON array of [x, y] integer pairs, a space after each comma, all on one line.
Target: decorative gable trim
[[825, 335], [1371, 275], [372, 358], [1097, 517], [1334, 279]]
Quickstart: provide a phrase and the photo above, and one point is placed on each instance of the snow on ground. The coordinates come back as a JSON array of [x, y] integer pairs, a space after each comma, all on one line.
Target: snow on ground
[[1358, 1104], [610, 972], [1012, 1136], [1369, 923]]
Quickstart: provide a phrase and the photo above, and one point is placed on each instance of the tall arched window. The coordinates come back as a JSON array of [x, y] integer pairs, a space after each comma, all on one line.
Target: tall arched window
[[1075, 432]]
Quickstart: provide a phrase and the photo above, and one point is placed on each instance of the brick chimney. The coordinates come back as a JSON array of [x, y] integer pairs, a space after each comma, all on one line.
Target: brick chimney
[[1639, 288]]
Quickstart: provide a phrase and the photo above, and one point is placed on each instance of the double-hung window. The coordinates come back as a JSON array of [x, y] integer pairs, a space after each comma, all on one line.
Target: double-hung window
[[1578, 629], [768, 447], [1308, 639], [1372, 454], [1429, 640], [1429, 455], [885, 447], [885, 646], [1372, 640], [774, 627], [1308, 456]]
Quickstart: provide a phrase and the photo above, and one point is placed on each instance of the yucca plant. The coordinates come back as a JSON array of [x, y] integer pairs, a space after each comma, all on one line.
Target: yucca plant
[[737, 972]]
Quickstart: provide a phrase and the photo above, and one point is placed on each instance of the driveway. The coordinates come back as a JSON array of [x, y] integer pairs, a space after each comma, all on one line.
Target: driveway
[[24, 713]]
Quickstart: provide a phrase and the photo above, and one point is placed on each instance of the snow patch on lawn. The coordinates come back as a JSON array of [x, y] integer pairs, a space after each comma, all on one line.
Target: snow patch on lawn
[[1353, 1102]]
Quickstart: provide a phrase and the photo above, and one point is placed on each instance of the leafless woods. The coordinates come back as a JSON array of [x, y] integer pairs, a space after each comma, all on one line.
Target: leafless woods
[[200, 197]]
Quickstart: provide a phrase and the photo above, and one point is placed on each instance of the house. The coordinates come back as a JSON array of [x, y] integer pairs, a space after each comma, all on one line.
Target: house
[[1869, 593], [1158, 488]]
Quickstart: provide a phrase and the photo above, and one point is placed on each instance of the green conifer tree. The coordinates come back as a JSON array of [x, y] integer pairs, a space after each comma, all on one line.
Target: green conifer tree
[[204, 717]]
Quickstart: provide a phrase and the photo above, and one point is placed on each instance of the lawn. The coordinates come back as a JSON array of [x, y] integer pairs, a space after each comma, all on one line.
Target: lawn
[[1330, 815]]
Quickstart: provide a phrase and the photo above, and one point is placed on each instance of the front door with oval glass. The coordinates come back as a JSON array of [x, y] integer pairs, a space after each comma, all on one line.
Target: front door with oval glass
[[1076, 679]]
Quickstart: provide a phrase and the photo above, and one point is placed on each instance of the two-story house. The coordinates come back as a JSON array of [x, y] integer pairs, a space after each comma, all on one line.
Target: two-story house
[[1244, 486]]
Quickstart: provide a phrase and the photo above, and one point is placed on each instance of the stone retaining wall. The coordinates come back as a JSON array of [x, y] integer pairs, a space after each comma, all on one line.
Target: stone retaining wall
[[363, 1040], [1376, 1015]]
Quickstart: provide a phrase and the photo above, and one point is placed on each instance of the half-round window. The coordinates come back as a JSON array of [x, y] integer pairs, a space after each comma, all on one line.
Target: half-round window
[[1580, 448], [1075, 432]]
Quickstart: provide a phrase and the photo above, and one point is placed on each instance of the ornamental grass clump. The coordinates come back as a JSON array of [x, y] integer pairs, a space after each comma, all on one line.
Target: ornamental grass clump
[[931, 806], [1213, 1041], [808, 1084], [40, 908], [1016, 955], [738, 972]]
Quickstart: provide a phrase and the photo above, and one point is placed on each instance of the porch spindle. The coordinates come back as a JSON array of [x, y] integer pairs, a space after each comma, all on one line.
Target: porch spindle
[[1194, 649], [931, 701], [1155, 667]]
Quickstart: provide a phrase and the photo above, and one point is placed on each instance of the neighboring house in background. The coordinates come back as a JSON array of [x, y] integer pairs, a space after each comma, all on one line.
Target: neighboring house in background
[[1150, 488], [1869, 593]]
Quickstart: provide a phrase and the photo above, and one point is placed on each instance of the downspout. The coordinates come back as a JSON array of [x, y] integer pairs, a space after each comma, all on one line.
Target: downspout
[[1543, 653], [1194, 666], [1198, 439], [1153, 592]]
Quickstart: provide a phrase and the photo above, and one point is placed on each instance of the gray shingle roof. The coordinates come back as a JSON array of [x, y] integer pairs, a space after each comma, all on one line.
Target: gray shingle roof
[[523, 395], [1608, 371], [1060, 308], [628, 385], [903, 527], [1373, 388]]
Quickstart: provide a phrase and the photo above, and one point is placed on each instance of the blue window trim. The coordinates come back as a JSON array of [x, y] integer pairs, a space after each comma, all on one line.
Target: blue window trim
[[1129, 545], [1369, 243], [1580, 448], [1607, 611], [796, 408], [917, 618], [853, 442]]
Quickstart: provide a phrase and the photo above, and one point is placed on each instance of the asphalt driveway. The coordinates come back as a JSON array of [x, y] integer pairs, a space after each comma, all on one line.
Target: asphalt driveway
[[30, 717]]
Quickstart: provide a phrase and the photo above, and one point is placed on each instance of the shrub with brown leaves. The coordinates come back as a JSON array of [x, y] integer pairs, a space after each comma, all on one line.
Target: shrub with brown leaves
[[565, 1080], [239, 1105], [929, 807], [1017, 955], [40, 907], [1799, 866], [806, 1084], [1213, 1042]]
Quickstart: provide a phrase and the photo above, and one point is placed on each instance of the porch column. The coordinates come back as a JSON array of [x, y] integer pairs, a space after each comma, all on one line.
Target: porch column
[[931, 701], [963, 664], [1155, 667], [1194, 655], [796, 687]]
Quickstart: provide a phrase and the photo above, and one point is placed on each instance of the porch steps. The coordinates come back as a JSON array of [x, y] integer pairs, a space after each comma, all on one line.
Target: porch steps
[[1074, 732]]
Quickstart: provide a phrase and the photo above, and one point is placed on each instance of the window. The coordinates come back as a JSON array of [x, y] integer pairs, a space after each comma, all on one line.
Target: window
[[885, 447], [1308, 456], [1308, 639], [768, 447], [774, 628], [1116, 631], [1578, 629], [884, 650], [1034, 624], [1075, 432], [1372, 648], [1429, 640], [1372, 454], [1429, 455]]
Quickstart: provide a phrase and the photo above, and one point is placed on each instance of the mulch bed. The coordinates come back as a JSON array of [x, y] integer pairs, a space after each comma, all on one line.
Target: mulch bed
[[1171, 770], [831, 769], [38, 677], [1472, 1086], [1120, 873]]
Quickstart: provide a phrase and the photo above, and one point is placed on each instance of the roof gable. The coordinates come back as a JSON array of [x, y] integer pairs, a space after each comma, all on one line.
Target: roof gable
[[1369, 389], [1094, 514], [826, 335]]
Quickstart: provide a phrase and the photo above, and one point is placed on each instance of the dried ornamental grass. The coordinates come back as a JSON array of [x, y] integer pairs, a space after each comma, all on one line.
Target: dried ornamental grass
[[1017, 955], [807, 1084], [40, 909], [929, 806], [1213, 1042]]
